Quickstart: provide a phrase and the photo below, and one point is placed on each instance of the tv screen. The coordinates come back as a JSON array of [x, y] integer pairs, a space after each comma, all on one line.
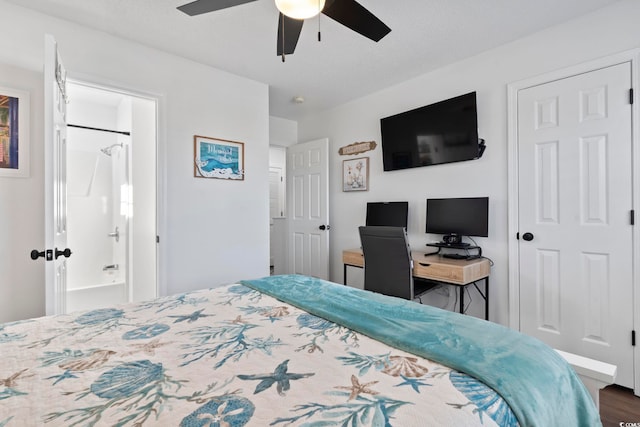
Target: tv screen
[[388, 214], [462, 216], [443, 132]]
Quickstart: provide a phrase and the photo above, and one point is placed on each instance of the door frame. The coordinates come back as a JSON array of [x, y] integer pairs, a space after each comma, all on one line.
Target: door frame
[[633, 57], [159, 99]]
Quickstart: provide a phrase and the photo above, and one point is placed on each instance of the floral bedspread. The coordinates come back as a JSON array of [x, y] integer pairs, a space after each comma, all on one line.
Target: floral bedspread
[[228, 356]]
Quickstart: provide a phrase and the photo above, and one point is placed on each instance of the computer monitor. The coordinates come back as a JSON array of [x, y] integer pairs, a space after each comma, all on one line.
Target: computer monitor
[[388, 214], [458, 216]]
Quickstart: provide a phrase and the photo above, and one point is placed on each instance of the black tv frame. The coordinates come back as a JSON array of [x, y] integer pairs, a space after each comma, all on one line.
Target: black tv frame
[[438, 133]]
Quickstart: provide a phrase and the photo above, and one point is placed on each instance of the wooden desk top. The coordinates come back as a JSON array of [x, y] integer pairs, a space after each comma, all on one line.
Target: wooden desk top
[[434, 267]]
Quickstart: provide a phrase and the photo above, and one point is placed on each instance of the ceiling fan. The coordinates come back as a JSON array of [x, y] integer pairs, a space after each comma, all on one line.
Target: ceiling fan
[[349, 13]]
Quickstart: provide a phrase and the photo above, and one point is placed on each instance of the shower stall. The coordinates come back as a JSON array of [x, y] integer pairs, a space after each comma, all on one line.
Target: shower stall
[[111, 143], [98, 218]]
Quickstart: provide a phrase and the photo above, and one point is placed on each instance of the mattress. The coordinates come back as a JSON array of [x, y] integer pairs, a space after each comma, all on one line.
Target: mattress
[[247, 354]]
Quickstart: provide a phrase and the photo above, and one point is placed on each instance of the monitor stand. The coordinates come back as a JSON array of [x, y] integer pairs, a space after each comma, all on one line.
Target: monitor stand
[[466, 247]]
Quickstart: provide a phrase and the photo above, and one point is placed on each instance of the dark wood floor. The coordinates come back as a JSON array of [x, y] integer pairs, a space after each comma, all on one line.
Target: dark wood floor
[[618, 405]]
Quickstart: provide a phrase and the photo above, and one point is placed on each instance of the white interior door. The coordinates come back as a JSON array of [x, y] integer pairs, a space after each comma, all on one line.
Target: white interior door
[[308, 208], [575, 198], [55, 139], [276, 192]]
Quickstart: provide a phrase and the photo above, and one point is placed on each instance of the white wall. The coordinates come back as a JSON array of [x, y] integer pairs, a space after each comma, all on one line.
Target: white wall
[[282, 132], [21, 220], [602, 33], [143, 221], [213, 231]]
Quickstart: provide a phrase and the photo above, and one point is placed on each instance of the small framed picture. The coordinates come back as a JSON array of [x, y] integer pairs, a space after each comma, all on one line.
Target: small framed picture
[[14, 133], [218, 158], [355, 174]]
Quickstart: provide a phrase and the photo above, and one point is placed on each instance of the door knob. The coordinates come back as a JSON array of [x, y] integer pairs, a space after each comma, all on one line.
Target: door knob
[[527, 236], [66, 253], [325, 227], [47, 254], [35, 254]]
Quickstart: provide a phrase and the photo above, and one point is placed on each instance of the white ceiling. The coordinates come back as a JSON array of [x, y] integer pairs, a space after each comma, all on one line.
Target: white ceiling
[[426, 34]]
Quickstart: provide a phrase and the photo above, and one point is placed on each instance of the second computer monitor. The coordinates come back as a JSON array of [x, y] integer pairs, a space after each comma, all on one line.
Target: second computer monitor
[[388, 214], [468, 216]]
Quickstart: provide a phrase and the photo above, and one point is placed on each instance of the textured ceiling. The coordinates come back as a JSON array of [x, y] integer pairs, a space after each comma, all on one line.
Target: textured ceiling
[[426, 34]]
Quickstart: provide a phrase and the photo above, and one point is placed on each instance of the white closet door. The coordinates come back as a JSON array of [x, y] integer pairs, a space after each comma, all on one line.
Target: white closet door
[[575, 198]]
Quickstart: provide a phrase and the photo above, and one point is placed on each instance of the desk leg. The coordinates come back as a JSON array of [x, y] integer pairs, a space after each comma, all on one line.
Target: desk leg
[[486, 299], [344, 274], [461, 293]]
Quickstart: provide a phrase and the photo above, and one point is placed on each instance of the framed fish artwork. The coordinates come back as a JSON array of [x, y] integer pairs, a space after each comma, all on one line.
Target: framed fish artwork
[[218, 158]]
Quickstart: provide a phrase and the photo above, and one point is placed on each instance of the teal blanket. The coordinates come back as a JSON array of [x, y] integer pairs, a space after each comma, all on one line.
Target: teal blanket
[[539, 385]]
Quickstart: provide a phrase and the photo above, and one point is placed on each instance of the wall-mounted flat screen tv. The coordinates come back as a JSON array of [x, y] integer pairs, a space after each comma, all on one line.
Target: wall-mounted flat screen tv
[[444, 132]]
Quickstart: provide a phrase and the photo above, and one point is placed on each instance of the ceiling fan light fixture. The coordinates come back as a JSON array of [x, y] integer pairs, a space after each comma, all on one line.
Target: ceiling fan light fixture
[[300, 9]]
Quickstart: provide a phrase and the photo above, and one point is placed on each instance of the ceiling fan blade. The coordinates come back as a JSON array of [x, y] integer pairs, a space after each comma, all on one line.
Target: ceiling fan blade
[[292, 28], [199, 7], [353, 15]]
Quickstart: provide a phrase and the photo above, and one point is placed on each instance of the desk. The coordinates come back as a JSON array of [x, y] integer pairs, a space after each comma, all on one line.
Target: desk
[[457, 272]]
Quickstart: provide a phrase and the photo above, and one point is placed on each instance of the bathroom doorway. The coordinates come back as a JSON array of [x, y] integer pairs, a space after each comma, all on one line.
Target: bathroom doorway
[[111, 197]]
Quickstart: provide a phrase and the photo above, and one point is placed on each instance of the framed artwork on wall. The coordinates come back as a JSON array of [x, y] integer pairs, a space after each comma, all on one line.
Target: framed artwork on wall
[[14, 133], [218, 158], [355, 174]]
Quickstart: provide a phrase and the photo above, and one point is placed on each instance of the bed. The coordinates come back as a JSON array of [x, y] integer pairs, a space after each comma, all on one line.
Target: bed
[[281, 351]]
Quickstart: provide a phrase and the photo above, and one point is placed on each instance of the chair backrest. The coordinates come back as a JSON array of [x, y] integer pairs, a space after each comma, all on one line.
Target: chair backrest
[[387, 261]]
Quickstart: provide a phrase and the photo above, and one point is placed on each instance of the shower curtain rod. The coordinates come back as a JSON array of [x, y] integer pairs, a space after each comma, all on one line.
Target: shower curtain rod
[[101, 130]]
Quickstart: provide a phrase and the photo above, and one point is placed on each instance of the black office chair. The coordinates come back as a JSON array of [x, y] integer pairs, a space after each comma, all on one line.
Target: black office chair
[[388, 266]]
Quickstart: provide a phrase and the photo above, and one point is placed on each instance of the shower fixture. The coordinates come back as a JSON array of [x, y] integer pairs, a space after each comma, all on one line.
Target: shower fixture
[[107, 150], [115, 234]]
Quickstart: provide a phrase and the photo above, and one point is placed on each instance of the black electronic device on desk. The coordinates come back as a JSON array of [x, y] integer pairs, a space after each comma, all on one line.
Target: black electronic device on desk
[[466, 247], [387, 214], [457, 217]]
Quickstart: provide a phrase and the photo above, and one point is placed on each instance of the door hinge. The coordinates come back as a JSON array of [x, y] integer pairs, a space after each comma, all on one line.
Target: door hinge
[[157, 239], [633, 338], [632, 217], [518, 235], [631, 96]]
